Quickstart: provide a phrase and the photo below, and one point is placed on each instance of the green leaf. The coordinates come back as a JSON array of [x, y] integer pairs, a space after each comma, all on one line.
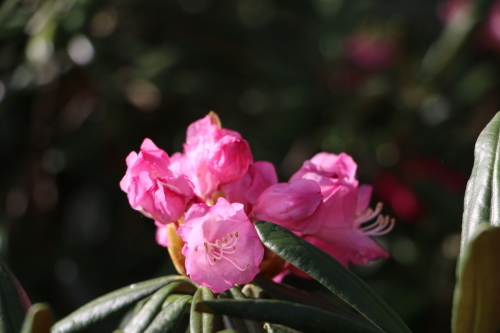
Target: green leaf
[[170, 317], [201, 322], [297, 316], [332, 274], [476, 304], [111, 303], [13, 301], [144, 317], [38, 319], [285, 292], [248, 325], [482, 194]]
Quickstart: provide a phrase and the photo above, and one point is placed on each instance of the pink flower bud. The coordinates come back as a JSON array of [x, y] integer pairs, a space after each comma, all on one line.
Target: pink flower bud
[[221, 247], [229, 159], [213, 156], [152, 187], [297, 206]]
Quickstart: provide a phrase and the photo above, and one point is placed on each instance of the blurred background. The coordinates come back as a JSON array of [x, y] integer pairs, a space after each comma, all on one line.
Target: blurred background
[[404, 87]]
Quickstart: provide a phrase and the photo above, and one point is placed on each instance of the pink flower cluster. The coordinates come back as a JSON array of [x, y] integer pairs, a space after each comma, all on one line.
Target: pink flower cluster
[[213, 191]]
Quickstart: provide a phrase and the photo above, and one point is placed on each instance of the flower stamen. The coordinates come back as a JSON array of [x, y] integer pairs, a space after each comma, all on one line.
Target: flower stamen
[[219, 250], [382, 225]]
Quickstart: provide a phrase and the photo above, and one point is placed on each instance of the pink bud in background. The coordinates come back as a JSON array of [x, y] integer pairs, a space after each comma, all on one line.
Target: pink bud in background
[[370, 51], [221, 247], [229, 159], [454, 10], [490, 31], [153, 187], [247, 190], [297, 206]]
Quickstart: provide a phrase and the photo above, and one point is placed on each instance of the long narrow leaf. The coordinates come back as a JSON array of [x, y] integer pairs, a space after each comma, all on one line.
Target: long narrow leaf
[[298, 316], [250, 325], [170, 317], [285, 292], [109, 304], [146, 315], [331, 274], [13, 301], [481, 203], [477, 294], [202, 322]]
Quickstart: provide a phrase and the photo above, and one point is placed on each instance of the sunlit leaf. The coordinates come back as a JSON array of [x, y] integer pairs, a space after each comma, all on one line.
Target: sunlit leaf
[[298, 316], [481, 203], [332, 274], [111, 303], [476, 307]]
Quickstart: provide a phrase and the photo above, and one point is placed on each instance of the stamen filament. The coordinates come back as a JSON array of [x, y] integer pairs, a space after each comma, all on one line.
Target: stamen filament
[[219, 250]]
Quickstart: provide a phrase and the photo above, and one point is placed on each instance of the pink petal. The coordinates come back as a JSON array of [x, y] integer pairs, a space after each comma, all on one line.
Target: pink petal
[[297, 205]]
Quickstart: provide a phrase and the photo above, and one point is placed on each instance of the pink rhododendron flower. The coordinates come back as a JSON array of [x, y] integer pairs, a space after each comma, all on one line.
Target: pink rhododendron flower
[[213, 156], [336, 176], [222, 247], [297, 205], [351, 242], [154, 186], [247, 189], [343, 234]]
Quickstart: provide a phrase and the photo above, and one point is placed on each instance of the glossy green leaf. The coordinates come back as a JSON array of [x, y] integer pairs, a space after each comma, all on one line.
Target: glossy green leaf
[[298, 316], [285, 292], [249, 325], [482, 203], [476, 306], [332, 274], [38, 319], [170, 317], [202, 322], [13, 301], [111, 303], [146, 315], [195, 321]]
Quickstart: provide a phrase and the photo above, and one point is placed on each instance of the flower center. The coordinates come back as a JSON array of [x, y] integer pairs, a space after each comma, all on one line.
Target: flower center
[[220, 249]]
